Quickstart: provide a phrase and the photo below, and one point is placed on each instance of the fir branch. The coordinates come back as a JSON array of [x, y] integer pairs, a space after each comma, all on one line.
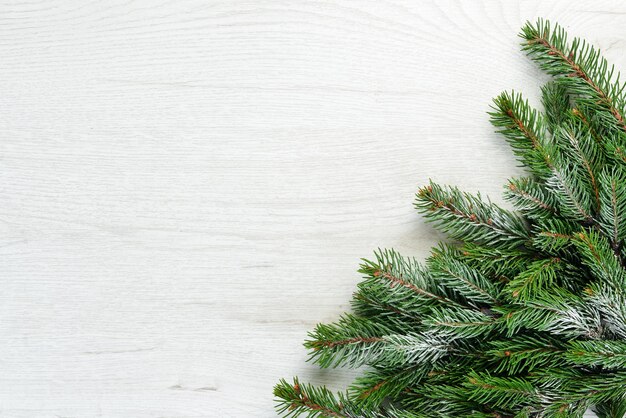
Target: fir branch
[[382, 383], [604, 353], [449, 271], [525, 317], [525, 354], [580, 147], [461, 323], [507, 392], [613, 214], [499, 264], [556, 103], [468, 217], [579, 66], [352, 341], [540, 276], [609, 301], [585, 116], [557, 312], [444, 398], [531, 198], [599, 257], [570, 191], [427, 347], [581, 385], [297, 398], [523, 128], [406, 281], [374, 301], [555, 235]]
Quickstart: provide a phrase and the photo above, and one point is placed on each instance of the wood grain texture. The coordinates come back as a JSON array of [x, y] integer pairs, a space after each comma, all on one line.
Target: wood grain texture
[[186, 187]]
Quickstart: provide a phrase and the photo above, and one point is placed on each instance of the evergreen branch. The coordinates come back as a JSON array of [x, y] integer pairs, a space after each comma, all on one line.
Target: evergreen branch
[[571, 316], [582, 148], [427, 347], [525, 317], [525, 354], [578, 65], [497, 263], [373, 301], [564, 409], [380, 384], [558, 312], [461, 323], [399, 281], [609, 301], [613, 214], [581, 114], [531, 198], [405, 279], [578, 385], [616, 150], [449, 271], [352, 341], [599, 257], [296, 399], [523, 128], [556, 102], [447, 397], [604, 353], [540, 276], [467, 217], [511, 392], [554, 236], [570, 191]]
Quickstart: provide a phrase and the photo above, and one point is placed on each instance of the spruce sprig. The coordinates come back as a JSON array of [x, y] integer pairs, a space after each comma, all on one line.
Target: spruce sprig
[[523, 313]]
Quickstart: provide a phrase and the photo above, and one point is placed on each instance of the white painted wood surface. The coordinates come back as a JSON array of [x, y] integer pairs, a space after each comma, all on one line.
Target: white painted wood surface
[[186, 186]]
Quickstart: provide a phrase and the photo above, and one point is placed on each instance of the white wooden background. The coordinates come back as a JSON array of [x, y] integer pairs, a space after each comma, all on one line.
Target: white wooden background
[[186, 186]]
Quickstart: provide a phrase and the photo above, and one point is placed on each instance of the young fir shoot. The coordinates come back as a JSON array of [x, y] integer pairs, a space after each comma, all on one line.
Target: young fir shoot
[[525, 314]]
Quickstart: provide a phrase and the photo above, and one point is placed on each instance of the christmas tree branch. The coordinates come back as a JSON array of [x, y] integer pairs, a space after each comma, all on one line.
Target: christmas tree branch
[[579, 65], [467, 217]]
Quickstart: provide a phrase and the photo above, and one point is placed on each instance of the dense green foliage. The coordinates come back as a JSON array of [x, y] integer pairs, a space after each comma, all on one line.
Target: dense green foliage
[[523, 314]]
